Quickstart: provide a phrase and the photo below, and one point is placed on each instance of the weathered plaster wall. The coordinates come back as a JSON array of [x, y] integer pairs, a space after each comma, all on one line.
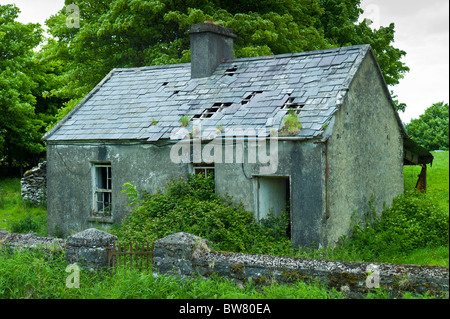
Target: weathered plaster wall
[[149, 167], [302, 162], [69, 202], [365, 152]]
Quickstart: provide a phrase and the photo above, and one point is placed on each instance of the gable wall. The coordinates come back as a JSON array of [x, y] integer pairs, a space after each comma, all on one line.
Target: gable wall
[[365, 152]]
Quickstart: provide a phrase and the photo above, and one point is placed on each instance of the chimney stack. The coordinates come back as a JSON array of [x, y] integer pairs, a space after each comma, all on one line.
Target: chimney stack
[[211, 44]]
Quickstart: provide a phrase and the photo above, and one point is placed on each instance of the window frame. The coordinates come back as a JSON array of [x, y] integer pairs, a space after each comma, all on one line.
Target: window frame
[[205, 167], [97, 189]]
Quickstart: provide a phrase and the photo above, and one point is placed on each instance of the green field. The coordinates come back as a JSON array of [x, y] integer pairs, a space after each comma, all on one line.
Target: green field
[[437, 178]]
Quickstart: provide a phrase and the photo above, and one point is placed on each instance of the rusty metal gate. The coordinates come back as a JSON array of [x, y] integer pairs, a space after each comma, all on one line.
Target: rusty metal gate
[[132, 255]]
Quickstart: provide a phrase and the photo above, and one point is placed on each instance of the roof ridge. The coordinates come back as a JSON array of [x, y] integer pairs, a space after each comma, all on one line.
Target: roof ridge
[[153, 67], [297, 54], [262, 57]]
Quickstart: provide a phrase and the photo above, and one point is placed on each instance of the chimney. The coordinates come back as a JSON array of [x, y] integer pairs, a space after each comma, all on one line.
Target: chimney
[[211, 44]]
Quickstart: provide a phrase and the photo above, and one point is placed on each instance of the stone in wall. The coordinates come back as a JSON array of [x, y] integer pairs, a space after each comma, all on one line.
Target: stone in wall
[[34, 184]]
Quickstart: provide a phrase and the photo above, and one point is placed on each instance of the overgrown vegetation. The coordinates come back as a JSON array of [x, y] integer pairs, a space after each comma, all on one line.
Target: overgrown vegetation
[[33, 275], [26, 274], [414, 221], [192, 206], [291, 124]]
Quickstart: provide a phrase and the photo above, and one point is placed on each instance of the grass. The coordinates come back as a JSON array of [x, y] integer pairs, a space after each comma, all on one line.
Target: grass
[[437, 178], [25, 275], [32, 275], [16, 213]]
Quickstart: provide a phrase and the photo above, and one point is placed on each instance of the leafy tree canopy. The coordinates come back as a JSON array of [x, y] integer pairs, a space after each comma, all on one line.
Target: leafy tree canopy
[[26, 79], [133, 33], [431, 128], [18, 124]]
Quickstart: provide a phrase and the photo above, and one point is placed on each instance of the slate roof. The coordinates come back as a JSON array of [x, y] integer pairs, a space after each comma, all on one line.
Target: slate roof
[[147, 103]]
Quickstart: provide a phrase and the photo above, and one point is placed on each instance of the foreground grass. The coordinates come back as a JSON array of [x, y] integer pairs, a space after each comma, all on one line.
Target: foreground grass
[[32, 275], [27, 275]]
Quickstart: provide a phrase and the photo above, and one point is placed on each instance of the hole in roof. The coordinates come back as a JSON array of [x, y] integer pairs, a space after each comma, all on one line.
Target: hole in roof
[[165, 83], [249, 97], [231, 71], [291, 105], [209, 112]]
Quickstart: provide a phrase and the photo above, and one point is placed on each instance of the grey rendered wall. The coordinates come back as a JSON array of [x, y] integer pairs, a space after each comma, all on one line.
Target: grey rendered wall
[[365, 152], [69, 203], [149, 167], [302, 162]]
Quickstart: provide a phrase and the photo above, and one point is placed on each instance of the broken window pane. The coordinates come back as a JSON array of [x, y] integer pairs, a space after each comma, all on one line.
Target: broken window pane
[[102, 190]]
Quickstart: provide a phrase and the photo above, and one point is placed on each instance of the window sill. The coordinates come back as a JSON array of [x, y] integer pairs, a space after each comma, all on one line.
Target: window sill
[[108, 220]]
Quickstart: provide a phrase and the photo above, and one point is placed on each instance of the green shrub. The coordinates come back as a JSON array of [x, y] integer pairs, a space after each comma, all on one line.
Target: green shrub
[[191, 205], [413, 221], [29, 223]]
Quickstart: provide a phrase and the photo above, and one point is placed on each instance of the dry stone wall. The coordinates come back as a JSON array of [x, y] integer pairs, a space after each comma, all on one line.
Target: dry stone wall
[[20, 241], [34, 184], [88, 248], [184, 254]]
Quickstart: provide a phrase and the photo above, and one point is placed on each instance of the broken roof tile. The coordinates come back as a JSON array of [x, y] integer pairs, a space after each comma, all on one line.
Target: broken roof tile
[[126, 102]]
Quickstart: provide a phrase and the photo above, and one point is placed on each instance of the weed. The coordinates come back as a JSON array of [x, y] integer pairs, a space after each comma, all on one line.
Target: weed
[[291, 124], [184, 120]]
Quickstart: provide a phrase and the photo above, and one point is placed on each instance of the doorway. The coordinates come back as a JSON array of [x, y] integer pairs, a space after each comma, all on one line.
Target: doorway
[[273, 196]]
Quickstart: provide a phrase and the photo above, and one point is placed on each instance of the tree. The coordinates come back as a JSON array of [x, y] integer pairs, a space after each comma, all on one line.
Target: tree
[[341, 28], [133, 33], [431, 128], [18, 124], [26, 77]]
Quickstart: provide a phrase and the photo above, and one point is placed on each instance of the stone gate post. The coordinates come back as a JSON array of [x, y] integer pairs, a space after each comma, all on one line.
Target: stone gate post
[[89, 248]]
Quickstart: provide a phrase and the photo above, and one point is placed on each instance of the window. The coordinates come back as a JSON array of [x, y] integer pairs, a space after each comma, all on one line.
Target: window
[[205, 169], [102, 190]]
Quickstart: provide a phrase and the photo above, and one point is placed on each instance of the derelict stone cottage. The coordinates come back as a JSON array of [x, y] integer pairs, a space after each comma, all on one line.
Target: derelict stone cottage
[[226, 117]]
